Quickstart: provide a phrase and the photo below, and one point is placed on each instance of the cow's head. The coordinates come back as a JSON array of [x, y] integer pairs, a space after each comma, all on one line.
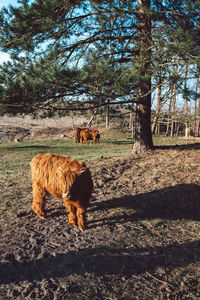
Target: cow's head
[[95, 134], [86, 133], [70, 180]]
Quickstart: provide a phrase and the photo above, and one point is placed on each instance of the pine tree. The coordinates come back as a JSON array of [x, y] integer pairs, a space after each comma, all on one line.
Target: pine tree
[[88, 53]]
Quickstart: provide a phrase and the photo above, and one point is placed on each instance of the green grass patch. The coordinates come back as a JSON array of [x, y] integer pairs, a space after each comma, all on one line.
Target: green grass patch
[[115, 144], [15, 155]]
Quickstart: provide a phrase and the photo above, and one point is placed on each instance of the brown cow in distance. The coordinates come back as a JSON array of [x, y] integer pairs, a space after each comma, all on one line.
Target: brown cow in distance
[[85, 134], [77, 134], [95, 135], [64, 178]]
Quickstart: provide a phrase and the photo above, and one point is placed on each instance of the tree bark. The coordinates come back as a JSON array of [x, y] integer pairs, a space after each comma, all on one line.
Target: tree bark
[[107, 116], [197, 111], [131, 126], [169, 113], [158, 108], [177, 128], [143, 134], [173, 111], [198, 117]]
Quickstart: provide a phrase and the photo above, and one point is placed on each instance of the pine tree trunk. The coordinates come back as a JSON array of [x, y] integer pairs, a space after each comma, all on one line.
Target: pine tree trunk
[[143, 134], [130, 121], [173, 111], [195, 119], [198, 131], [197, 111], [177, 128], [186, 102], [169, 114], [158, 108], [158, 128], [107, 116]]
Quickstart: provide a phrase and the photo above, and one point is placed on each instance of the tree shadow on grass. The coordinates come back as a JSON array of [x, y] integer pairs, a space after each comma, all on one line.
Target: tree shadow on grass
[[120, 142], [190, 146], [181, 147], [29, 147], [176, 202], [100, 261]]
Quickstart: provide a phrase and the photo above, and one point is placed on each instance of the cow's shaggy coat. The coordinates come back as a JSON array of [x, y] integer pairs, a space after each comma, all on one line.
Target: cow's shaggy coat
[[85, 134], [64, 178], [95, 135], [77, 134]]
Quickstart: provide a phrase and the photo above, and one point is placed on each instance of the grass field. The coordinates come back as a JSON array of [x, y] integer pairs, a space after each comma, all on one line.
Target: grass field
[[143, 234], [20, 154]]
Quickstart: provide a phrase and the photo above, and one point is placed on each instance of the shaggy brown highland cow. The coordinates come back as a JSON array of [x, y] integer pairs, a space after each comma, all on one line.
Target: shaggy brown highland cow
[[64, 178], [95, 135], [85, 134], [77, 134]]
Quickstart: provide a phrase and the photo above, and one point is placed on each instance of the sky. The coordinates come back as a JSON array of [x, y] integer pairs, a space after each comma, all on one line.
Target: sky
[[5, 3]]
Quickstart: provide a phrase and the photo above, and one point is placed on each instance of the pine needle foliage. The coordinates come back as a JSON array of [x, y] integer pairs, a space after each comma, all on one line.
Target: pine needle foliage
[[87, 53]]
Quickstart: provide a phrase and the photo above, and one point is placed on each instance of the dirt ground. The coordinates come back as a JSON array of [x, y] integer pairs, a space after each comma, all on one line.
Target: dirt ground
[[142, 239]]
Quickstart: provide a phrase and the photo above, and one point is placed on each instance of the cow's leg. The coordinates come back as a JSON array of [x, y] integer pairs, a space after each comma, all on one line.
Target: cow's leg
[[85, 140], [39, 200], [77, 139], [81, 218], [72, 213]]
